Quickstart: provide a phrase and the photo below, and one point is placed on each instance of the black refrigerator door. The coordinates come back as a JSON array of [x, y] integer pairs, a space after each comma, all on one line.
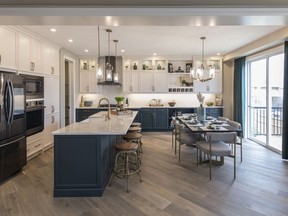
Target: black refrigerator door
[[12, 106], [12, 157]]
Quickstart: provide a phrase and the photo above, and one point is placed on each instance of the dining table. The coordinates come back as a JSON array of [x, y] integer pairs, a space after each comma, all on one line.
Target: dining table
[[211, 124]]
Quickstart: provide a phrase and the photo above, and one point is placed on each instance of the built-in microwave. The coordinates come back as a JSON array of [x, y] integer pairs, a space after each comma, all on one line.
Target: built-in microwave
[[34, 86]]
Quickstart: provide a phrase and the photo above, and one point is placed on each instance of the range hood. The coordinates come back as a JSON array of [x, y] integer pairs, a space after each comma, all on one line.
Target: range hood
[[105, 59]]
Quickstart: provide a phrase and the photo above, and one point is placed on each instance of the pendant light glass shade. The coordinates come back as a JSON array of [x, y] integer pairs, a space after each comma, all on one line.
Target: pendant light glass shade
[[204, 72], [108, 67], [116, 74], [99, 71]]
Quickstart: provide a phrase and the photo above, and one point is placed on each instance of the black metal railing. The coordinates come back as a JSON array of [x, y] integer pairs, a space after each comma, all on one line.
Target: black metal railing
[[259, 119]]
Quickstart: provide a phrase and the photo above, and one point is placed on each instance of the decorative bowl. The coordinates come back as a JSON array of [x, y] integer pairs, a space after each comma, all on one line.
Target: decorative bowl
[[172, 103]]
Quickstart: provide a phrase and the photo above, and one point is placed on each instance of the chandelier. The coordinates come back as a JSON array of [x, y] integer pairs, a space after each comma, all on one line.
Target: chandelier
[[204, 72]]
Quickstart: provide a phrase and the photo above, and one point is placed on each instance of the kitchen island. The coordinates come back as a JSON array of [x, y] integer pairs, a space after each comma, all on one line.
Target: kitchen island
[[84, 154]]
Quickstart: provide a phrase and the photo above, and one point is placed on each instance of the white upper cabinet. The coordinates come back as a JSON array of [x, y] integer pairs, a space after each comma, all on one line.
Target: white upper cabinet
[[147, 81], [131, 77], [144, 75], [51, 94], [7, 49], [88, 79], [29, 54], [50, 60], [160, 82]]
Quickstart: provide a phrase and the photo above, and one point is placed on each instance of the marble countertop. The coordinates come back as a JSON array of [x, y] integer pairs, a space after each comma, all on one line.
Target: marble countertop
[[134, 107], [96, 125]]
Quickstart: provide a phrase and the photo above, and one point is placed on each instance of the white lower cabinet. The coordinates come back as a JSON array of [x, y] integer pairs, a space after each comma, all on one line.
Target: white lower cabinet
[[34, 145], [51, 123]]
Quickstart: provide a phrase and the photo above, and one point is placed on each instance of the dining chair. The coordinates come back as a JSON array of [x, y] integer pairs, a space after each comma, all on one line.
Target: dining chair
[[221, 118], [173, 126], [216, 145], [239, 136], [184, 136]]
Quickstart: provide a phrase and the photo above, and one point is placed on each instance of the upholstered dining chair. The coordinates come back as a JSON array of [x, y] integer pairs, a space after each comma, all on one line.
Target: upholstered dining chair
[[173, 125], [184, 136], [221, 118], [239, 136], [217, 145]]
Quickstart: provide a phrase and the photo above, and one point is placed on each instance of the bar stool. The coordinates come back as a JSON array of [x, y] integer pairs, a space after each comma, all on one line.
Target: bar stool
[[126, 164], [134, 129], [135, 124], [134, 137]]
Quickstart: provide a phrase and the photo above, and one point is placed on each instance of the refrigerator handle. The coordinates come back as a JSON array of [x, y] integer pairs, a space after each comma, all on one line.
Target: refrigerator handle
[[6, 99], [1, 84], [12, 102]]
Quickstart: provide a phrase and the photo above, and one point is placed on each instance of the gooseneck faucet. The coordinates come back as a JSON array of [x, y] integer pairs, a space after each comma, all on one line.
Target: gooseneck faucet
[[108, 114]]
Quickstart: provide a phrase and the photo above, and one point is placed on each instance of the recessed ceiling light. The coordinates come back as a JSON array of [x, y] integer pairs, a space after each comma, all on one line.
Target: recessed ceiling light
[[218, 53], [86, 50], [70, 40], [122, 50], [154, 53], [53, 30]]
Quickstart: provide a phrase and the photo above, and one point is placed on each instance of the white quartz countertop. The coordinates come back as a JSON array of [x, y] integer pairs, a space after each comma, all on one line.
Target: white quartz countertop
[[134, 107], [96, 125]]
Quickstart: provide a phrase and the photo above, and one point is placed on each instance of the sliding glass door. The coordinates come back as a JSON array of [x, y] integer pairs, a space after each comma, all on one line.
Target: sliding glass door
[[266, 100]]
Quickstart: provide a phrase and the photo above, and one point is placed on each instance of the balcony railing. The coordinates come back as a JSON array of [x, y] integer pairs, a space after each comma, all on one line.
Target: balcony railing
[[259, 118]]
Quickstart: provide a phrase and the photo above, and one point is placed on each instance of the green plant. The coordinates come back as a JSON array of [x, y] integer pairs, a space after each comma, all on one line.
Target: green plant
[[119, 98]]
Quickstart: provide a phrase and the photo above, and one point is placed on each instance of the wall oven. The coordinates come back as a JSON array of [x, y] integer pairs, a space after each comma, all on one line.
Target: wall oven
[[34, 86], [34, 116]]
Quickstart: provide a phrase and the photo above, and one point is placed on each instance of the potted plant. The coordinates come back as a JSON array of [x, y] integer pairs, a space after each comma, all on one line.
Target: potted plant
[[119, 100]]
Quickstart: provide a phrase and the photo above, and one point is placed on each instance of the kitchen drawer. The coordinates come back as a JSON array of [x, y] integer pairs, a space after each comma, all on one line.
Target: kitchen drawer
[[34, 144]]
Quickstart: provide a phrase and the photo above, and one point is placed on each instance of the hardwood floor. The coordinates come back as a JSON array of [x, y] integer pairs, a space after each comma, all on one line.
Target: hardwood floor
[[168, 187]]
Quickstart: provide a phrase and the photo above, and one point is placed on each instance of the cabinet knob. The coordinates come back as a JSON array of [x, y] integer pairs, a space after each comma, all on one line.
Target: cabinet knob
[[52, 119], [52, 70], [52, 109]]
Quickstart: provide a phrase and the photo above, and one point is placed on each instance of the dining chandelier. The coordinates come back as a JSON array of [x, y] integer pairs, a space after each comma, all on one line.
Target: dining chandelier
[[204, 72]]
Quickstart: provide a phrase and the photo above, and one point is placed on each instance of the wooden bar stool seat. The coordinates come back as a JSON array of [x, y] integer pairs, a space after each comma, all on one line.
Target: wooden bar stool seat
[[134, 129], [127, 163], [134, 137], [135, 124]]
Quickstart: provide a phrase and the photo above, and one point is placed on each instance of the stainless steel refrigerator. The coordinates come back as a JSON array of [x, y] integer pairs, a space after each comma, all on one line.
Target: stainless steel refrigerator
[[12, 125]]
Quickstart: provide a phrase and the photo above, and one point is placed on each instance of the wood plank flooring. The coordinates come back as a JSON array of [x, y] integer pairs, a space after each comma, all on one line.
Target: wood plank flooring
[[168, 187]]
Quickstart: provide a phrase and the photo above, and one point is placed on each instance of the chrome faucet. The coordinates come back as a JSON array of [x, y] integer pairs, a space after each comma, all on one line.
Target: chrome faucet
[[108, 113]]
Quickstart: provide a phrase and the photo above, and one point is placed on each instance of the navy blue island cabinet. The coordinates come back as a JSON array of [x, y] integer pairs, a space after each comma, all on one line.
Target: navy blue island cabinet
[[83, 164]]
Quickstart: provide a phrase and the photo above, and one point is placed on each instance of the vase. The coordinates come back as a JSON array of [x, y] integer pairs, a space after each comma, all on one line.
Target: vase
[[201, 114]]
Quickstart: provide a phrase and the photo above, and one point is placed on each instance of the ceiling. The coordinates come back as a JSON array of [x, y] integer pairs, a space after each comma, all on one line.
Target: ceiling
[[146, 40], [152, 29]]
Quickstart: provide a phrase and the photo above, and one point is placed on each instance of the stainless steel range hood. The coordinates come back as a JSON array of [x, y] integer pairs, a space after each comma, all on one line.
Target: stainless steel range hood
[[117, 66]]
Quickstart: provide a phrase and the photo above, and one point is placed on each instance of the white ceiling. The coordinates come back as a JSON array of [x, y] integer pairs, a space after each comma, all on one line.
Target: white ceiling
[[146, 40], [145, 30]]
